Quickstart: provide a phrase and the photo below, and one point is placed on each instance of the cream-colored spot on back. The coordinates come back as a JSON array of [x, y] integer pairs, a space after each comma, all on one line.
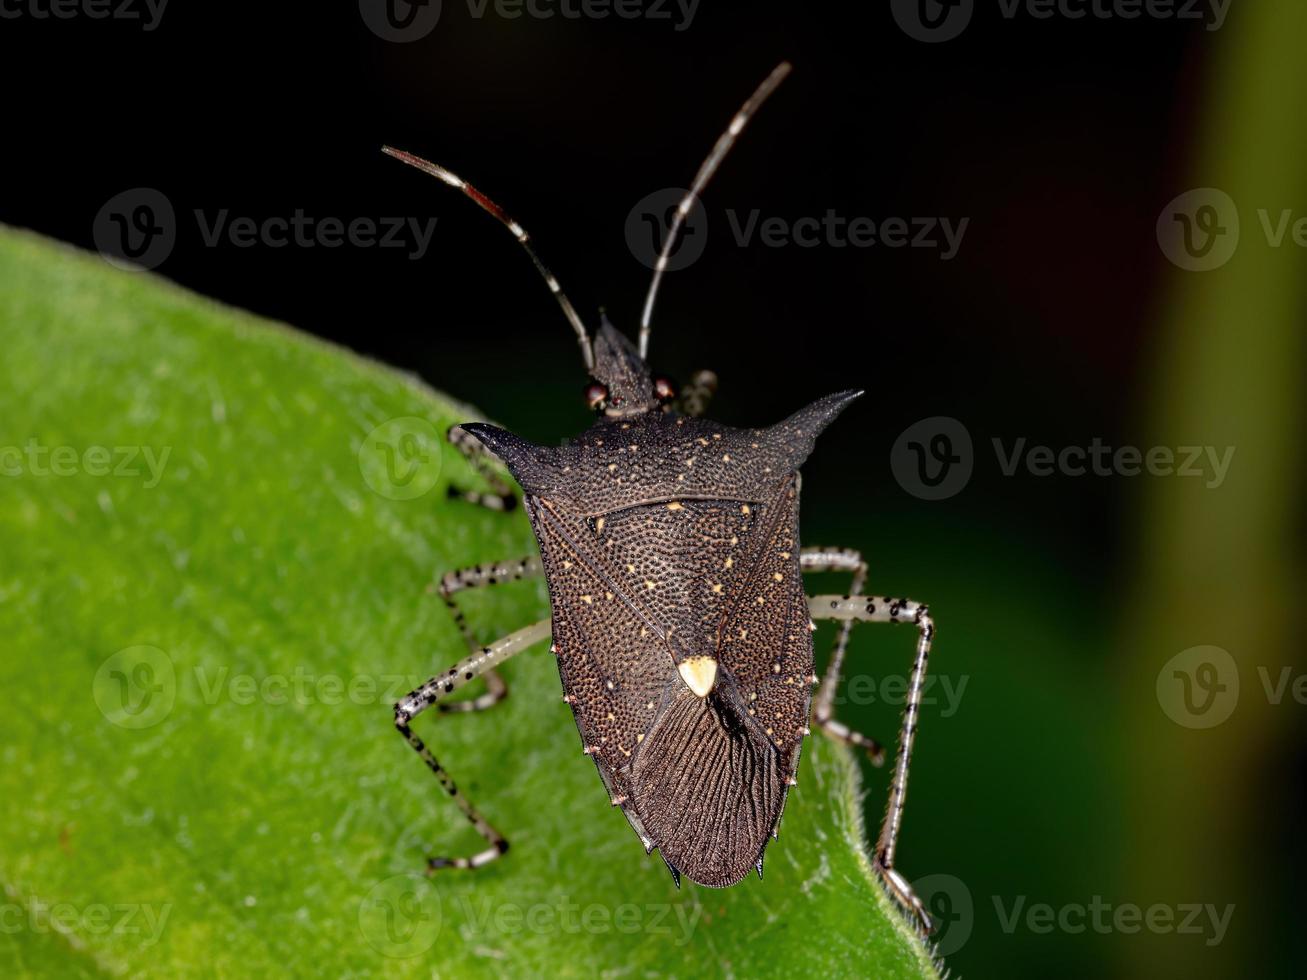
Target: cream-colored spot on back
[[699, 674]]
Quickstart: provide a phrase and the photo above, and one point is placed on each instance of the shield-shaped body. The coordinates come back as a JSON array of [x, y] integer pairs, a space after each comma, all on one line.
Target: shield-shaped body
[[671, 550]]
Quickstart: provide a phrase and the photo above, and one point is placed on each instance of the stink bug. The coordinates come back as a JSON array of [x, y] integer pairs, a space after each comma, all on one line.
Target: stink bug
[[670, 547]]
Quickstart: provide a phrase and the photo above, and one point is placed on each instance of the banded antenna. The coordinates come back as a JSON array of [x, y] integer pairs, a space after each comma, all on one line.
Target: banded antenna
[[523, 239], [706, 170]]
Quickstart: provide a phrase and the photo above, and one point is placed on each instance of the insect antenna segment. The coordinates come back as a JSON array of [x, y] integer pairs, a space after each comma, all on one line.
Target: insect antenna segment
[[518, 232], [706, 170]]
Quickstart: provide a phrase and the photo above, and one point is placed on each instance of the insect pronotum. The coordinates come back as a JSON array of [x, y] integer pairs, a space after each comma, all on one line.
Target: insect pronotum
[[670, 548]]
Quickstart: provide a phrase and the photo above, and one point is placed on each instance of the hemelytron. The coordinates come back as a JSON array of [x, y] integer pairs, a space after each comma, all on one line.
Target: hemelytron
[[683, 634]]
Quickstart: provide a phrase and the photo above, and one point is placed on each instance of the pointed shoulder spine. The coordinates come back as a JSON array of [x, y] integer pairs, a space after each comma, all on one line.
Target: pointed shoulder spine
[[531, 465], [795, 437]]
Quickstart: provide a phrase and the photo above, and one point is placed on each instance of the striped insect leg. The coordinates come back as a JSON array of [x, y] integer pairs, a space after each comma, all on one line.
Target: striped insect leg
[[432, 692], [883, 609], [478, 577], [823, 709]]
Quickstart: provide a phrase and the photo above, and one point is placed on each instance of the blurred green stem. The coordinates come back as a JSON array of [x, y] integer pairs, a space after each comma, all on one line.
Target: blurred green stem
[[1220, 565]]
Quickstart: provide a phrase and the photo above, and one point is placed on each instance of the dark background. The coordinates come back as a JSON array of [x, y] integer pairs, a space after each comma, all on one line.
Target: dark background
[[1060, 140]]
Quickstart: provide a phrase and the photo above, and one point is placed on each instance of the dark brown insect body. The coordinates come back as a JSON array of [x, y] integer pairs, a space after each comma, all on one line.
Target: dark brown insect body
[[670, 545], [671, 549]]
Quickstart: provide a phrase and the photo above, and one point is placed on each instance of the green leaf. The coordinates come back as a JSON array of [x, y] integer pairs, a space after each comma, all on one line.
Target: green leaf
[[206, 624]]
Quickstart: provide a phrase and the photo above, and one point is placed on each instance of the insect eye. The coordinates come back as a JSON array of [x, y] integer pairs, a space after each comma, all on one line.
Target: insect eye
[[664, 389], [596, 396]]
